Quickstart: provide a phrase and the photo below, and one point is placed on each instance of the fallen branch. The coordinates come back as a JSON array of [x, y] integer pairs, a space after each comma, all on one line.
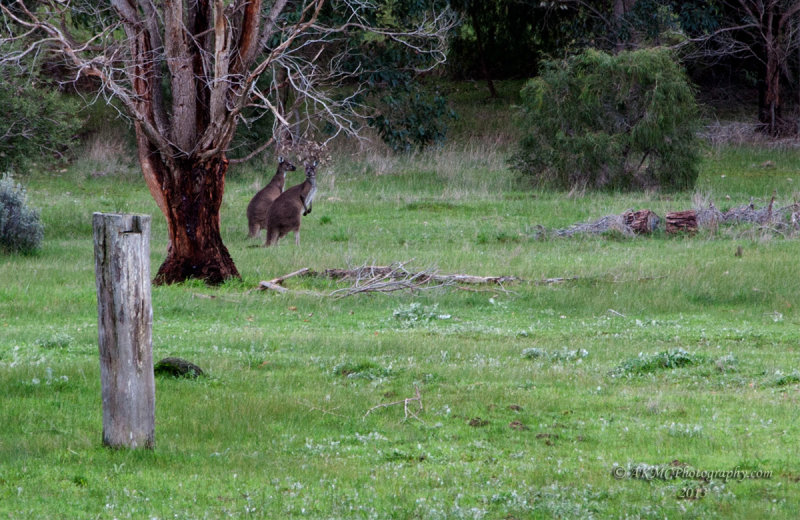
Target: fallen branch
[[318, 409], [300, 272], [551, 281], [405, 402], [265, 286]]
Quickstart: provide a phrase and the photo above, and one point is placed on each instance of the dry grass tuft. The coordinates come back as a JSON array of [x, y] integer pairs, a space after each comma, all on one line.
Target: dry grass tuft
[[108, 152]]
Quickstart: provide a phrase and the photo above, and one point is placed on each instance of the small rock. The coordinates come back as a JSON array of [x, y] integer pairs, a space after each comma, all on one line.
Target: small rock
[[177, 367]]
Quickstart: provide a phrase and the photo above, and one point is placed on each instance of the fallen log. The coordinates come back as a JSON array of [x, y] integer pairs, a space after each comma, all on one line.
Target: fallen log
[[678, 221], [642, 222]]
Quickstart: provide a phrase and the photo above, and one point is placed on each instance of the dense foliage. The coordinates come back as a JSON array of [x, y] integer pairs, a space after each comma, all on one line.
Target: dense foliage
[[411, 118], [35, 119], [610, 122], [503, 38], [21, 230]]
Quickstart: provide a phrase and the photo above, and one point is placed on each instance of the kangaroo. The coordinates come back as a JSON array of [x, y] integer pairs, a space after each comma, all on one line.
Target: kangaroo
[[259, 205], [284, 214]]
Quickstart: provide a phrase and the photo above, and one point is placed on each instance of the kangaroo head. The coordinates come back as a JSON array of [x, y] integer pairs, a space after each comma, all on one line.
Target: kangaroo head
[[311, 171], [285, 166]]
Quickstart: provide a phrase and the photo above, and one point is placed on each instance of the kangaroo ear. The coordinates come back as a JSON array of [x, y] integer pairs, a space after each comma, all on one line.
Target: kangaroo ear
[[315, 164]]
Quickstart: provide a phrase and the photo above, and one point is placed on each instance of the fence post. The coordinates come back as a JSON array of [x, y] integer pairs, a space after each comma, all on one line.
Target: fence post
[[125, 324]]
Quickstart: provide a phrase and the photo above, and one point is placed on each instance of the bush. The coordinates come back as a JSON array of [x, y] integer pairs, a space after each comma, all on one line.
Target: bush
[[649, 363], [20, 227], [610, 122]]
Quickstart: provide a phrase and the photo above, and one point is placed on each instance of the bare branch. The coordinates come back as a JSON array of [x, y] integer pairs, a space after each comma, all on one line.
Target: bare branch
[[407, 411], [211, 58]]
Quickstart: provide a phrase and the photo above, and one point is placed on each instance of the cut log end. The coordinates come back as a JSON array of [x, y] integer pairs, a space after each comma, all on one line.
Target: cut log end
[[681, 221], [642, 222]]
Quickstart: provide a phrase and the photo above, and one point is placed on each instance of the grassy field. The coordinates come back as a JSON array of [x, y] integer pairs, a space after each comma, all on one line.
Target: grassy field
[[662, 354]]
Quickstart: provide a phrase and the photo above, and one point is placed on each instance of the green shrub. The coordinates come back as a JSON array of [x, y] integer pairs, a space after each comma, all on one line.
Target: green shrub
[[20, 227], [649, 363], [610, 122]]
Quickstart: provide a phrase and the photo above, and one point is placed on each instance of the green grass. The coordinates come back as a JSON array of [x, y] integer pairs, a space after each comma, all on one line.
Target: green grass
[[661, 352]]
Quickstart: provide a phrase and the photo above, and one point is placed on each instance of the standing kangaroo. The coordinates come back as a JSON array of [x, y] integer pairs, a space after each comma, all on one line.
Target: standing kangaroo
[[285, 213], [259, 205]]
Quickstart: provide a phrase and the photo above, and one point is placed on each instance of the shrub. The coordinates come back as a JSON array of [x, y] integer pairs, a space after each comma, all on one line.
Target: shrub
[[610, 122], [649, 363], [20, 227]]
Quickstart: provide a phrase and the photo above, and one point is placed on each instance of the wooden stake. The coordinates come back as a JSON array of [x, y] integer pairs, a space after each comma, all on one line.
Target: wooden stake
[[125, 322]]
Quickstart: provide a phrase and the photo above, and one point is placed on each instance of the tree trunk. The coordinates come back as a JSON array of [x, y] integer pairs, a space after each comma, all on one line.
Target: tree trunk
[[772, 95], [476, 24], [189, 194], [620, 9], [772, 73], [193, 197]]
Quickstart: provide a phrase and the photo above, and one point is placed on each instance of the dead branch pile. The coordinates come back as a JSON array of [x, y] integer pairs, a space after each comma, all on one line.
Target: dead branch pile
[[629, 223], [749, 213], [595, 227], [398, 271], [386, 279], [783, 220]]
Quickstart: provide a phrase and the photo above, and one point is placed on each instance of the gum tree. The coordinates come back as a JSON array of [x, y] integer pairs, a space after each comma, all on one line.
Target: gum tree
[[185, 72]]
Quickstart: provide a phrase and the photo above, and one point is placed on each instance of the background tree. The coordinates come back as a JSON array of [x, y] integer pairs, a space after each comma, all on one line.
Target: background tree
[[35, 119], [764, 31], [504, 38], [186, 71]]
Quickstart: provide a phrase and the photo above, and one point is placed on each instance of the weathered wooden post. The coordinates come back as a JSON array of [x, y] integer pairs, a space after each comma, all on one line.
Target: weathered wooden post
[[125, 324]]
